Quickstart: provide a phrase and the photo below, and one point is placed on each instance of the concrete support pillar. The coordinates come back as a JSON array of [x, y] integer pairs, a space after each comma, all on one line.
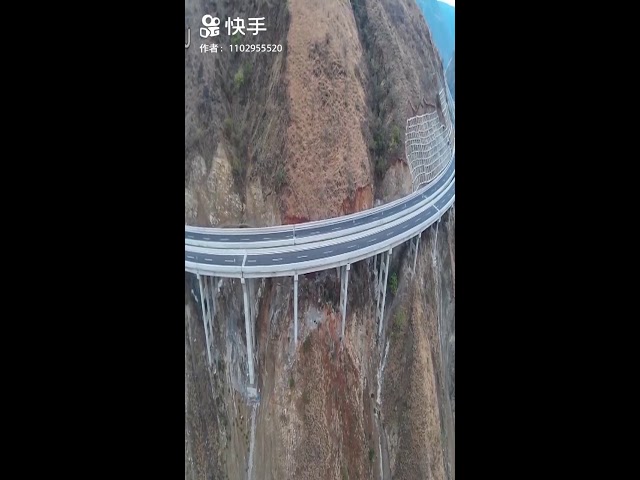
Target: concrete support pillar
[[295, 311], [202, 286], [344, 289], [379, 285], [248, 329], [384, 276], [252, 299], [253, 310], [212, 307], [415, 246], [341, 277], [375, 276]]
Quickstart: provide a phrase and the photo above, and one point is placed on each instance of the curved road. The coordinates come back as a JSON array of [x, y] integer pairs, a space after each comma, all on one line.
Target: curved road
[[329, 228], [312, 257]]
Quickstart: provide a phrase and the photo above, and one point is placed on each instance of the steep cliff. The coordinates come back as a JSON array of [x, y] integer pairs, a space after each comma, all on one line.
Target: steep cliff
[[313, 132]]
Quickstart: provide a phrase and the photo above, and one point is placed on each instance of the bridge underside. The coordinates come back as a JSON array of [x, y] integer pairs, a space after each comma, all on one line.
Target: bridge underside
[[381, 263], [429, 147], [207, 286]]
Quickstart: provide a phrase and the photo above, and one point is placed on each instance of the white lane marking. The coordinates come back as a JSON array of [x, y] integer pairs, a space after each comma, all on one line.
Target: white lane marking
[[231, 261], [224, 239], [351, 246], [191, 257], [208, 260], [301, 256], [329, 251], [206, 238], [266, 238], [334, 229], [389, 234], [313, 233], [189, 236], [372, 240], [251, 261], [276, 259], [244, 239]]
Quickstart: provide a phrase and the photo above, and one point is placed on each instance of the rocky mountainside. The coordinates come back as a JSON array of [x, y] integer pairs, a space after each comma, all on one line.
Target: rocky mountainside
[[312, 132]]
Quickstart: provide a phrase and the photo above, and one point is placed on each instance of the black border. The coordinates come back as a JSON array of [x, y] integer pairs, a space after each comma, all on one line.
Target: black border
[[108, 146], [147, 319], [512, 262]]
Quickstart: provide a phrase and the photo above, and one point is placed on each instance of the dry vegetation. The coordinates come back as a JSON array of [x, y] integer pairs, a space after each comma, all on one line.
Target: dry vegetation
[[236, 108], [327, 154], [410, 400], [402, 71]]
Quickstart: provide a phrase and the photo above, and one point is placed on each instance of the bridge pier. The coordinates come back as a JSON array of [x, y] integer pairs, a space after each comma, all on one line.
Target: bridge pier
[[251, 292], [379, 276], [344, 286], [295, 311], [212, 308], [413, 247], [207, 302], [248, 329], [253, 311], [383, 276]]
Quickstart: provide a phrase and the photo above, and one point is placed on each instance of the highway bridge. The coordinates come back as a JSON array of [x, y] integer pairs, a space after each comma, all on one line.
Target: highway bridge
[[293, 250], [309, 232]]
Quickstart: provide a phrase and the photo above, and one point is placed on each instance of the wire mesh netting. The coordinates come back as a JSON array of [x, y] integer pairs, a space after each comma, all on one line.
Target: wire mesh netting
[[429, 144]]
